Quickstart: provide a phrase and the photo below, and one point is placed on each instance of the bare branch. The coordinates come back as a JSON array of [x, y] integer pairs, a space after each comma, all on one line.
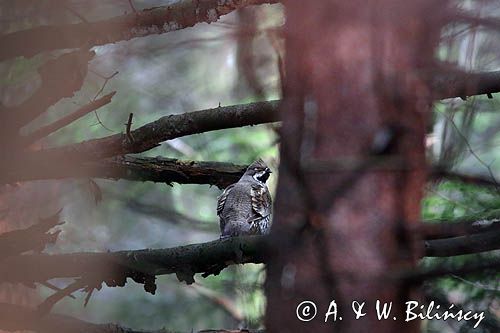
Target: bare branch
[[475, 243], [165, 128], [156, 169], [58, 124], [36, 165], [157, 20], [174, 126], [106, 80], [50, 301], [166, 170], [455, 83], [114, 268]]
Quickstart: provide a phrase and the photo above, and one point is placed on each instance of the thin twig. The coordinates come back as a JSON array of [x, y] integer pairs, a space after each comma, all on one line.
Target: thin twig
[[475, 284], [64, 121], [74, 12], [50, 301], [132, 6], [487, 166], [99, 122], [87, 297], [106, 80], [53, 287], [128, 126]]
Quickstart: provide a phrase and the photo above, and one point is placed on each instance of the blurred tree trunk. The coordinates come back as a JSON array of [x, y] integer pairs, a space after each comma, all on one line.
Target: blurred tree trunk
[[352, 160]]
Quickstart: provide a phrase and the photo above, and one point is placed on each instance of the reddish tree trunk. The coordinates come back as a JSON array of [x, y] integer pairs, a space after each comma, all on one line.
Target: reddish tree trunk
[[352, 160]]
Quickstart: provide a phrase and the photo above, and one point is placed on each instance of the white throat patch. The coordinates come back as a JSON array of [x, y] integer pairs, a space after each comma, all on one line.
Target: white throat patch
[[259, 174]]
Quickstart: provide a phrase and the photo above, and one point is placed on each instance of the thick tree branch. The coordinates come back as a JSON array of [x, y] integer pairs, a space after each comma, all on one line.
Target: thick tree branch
[[156, 169], [469, 234], [166, 128], [157, 20], [166, 170], [174, 126], [450, 84], [475, 243], [113, 268], [45, 163]]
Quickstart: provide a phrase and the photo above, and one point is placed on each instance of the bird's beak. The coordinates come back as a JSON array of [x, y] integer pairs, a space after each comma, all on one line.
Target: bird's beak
[[268, 170]]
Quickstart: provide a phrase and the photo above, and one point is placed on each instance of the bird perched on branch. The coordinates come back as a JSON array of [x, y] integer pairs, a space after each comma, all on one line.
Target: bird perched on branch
[[244, 208]]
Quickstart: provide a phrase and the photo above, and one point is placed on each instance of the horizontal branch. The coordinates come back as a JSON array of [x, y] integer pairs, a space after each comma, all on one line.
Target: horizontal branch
[[20, 318], [166, 128], [66, 120], [174, 126], [165, 170], [474, 243], [155, 169], [462, 84], [157, 20], [44, 164], [113, 268]]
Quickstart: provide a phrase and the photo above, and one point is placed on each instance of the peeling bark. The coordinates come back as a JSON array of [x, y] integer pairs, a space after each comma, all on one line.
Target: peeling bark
[[155, 169], [157, 20]]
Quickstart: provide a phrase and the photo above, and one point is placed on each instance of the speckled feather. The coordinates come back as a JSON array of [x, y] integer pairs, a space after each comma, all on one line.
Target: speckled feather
[[244, 208]]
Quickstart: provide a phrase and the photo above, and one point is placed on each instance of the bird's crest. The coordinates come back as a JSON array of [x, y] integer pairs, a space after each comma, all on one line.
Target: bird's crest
[[259, 164]]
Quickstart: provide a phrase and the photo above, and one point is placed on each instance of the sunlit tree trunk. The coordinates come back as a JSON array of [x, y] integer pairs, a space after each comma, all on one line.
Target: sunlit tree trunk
[[352, 160]]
